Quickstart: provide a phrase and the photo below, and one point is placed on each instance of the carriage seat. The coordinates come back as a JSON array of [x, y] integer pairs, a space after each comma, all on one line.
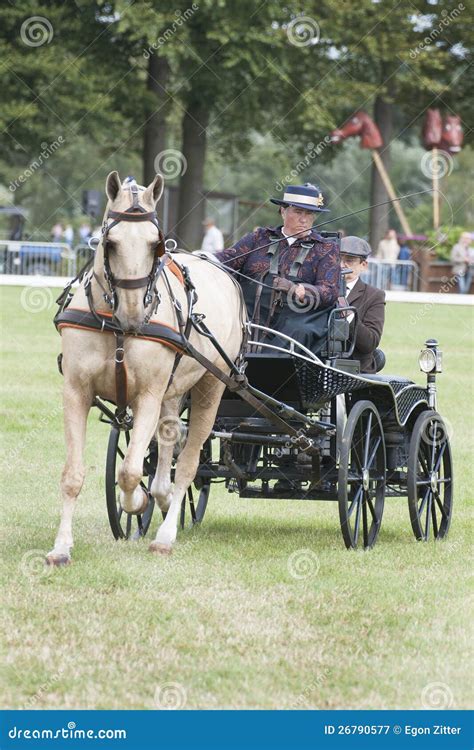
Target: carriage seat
[[387, 378]]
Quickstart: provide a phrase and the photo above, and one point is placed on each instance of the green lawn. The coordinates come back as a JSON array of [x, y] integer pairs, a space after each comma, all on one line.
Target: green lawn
[[223, 619]]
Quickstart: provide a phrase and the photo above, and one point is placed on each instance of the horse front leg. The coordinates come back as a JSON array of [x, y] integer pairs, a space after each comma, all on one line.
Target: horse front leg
[[205, 399], [76, 406], [146, 411], [168, 434]]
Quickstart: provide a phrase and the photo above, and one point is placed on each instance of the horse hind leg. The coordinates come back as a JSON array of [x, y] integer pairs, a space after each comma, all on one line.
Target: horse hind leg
[[205, 399], [76, 409]]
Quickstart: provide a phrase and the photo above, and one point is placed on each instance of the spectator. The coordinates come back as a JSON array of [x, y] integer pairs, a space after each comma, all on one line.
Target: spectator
[[69, 235], [403, 272], [387, 251], [213, 240], [462, 258], [57, 232], [389, 248], [85, 232]]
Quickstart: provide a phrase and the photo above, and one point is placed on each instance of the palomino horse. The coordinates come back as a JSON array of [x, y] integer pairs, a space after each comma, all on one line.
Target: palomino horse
[[123, 259]]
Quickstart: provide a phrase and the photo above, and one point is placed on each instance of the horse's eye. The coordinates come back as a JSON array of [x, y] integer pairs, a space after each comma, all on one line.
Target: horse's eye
[[109, 246]]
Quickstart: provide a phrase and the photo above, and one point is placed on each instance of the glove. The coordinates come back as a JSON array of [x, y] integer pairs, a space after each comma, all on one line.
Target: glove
[[282, 285]]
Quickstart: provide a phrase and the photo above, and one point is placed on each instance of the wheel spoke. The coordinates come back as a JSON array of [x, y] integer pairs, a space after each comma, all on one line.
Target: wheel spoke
[[120, 513], [367, 435], [354, 502], [428, 515], [129, 524], [440, 455], [372, 509], [423, 461], [441, 506], [364, 523], [433, 451], [372, 455], [120, 452], [357, 523], [191, 505], [434, 519], [420, 509]]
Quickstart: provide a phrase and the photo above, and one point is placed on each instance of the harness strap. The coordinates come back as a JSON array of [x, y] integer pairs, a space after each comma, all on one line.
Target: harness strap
[[300, 258], [120, 377]]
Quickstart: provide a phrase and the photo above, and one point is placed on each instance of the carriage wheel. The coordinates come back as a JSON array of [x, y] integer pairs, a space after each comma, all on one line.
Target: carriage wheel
[[430, 477], [123, 524], [361, 479]]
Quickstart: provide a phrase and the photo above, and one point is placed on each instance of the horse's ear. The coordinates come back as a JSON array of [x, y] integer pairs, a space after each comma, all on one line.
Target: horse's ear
[[113, 185], [154, 190]]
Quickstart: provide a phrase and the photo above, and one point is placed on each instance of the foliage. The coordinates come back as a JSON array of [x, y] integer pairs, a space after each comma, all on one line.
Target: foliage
[[444, 239]]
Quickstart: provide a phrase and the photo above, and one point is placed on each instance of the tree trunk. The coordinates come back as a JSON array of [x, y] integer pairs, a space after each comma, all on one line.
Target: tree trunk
[[157, 110], [191, 188], [379, 217]]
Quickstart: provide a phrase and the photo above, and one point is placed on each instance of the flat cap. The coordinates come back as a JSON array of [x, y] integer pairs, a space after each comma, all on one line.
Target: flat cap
[[355, 246]]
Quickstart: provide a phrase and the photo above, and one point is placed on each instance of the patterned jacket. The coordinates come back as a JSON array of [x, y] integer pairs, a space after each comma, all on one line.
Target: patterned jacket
[[310, 260]]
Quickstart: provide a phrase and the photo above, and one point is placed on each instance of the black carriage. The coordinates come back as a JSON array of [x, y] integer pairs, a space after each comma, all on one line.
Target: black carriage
[[315, 429]]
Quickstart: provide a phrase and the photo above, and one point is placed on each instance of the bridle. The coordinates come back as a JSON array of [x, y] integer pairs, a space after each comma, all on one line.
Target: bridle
[[136, 212]]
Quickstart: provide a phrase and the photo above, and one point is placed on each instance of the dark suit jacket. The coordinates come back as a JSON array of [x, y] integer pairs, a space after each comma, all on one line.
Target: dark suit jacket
[[370, 305]]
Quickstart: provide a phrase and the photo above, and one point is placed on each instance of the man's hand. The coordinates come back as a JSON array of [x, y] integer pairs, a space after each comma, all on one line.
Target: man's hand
[[300, 292]]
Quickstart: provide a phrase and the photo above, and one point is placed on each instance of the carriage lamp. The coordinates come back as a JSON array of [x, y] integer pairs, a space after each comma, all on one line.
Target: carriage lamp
[[430, 359]]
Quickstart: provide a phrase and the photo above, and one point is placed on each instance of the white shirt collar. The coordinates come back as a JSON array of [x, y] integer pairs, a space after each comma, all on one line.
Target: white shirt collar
[[350, 285], [290, 240]]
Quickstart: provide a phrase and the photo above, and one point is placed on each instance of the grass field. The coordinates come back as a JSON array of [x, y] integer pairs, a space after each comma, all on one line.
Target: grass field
[[223, 623]]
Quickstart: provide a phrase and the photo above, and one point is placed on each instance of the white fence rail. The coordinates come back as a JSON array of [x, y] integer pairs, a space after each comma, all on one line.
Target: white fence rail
[[30, 258], [403, 275]]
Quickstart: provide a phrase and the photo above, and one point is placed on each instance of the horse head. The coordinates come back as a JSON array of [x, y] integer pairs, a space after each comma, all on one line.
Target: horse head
[[359, 124], [452, 135], [131, 245]]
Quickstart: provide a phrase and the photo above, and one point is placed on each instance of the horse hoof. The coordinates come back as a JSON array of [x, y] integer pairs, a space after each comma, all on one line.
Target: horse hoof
[[57, 561], [160, 549]]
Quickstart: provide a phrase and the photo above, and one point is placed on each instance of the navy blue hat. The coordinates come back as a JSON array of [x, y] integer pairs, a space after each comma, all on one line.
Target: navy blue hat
[[305, 196]]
